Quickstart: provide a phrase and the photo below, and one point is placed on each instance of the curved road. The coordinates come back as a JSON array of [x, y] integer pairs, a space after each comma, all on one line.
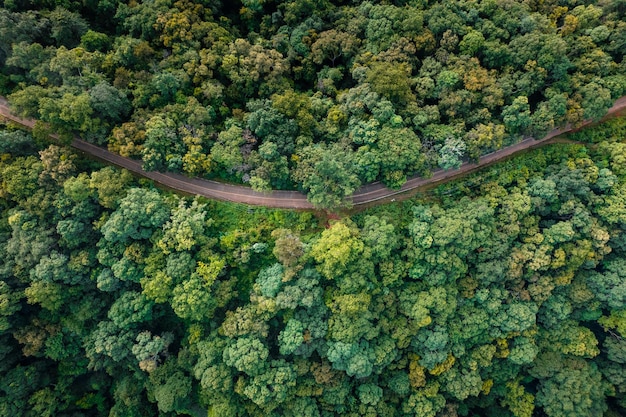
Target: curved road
[[369, 193]]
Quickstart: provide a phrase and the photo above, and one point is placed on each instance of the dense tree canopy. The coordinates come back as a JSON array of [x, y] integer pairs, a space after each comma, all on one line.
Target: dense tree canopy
[[501, 294], [267, 92]]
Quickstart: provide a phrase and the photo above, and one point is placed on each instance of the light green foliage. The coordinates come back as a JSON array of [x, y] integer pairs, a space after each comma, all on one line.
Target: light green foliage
[[149, 347], [337, 248], [518, 401], [270, 280], [247, 355], [328, 174], [108, 343], [516, 116], [185, 228], [498, 294], [161, 145], [226, 151], [432, 346], [129, 309], [291, 337], [370, 394], [20, 179], [29, 240], [109, 183], [192, 299], [272, 387], [379, 236], [352, 358], [139, 212], [425, 402], [287, 247], [451, 153], [48, 294], [523, 351]]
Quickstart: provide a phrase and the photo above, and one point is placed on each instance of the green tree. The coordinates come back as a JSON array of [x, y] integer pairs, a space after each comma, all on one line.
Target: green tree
[[185, 229], [337, 248], [246, 354], [327, 173], [67, 27], [140, 212]]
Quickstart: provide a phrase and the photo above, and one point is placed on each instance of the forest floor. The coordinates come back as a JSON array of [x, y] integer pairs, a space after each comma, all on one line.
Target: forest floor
[[367, 196]]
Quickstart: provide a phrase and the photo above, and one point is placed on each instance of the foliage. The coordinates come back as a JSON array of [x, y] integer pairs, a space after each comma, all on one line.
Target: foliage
[[269, 92], [499, 294]]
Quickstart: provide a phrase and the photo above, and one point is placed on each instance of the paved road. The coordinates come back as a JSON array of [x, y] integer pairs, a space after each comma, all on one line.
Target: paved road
[[366, 195]]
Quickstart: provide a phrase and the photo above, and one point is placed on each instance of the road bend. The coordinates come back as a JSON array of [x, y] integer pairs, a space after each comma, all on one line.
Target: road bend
[[374, 193]]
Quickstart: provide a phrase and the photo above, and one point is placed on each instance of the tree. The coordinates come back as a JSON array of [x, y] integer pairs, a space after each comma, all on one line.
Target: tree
[[516, 116], [288, 247], [19, 179], [108, 344], [33, 59], [273, 387], [291, 337], [353, 358], [574, 388], [269, 125], [596, 101], [109, 103], [130, 309], [610, 286], [69, 113], [95, 41], [110, 184], [517, 400], [327, 173], [451, 152], [226, 150], [246, 354], [337, 248], [162, 147], [192, 299], [332, 45], [471, 43], [171, 388], [391, 81], [185, 229], [270, 280], [139, 213], [67, 27]]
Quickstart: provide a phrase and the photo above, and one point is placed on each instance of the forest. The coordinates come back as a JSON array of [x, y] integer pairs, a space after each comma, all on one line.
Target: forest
[[501, 294], [320, 96]]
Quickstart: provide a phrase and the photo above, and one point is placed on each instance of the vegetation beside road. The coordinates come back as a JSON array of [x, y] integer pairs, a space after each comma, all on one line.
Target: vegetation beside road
[[321, 97], [501, 294]]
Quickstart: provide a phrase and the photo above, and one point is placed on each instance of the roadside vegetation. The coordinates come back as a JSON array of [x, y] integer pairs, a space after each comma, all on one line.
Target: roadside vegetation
[[316, 96], [499, 294]]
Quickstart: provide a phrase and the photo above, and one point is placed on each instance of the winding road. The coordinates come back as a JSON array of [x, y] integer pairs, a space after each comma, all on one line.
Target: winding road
[[366, 195]]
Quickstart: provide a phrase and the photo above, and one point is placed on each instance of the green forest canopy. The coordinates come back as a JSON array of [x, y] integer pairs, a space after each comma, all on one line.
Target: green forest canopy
[[320, 96], [500, 295]]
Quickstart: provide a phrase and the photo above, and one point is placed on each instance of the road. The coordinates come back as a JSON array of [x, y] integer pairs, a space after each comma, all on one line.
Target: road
[[370, 193]]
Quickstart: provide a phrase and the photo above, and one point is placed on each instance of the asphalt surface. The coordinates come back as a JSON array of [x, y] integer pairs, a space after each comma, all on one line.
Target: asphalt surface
[[366, 195]]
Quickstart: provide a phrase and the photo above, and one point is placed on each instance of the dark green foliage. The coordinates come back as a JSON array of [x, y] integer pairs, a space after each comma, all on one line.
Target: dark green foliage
[[499, 294], [445, 304], [359, 92]]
